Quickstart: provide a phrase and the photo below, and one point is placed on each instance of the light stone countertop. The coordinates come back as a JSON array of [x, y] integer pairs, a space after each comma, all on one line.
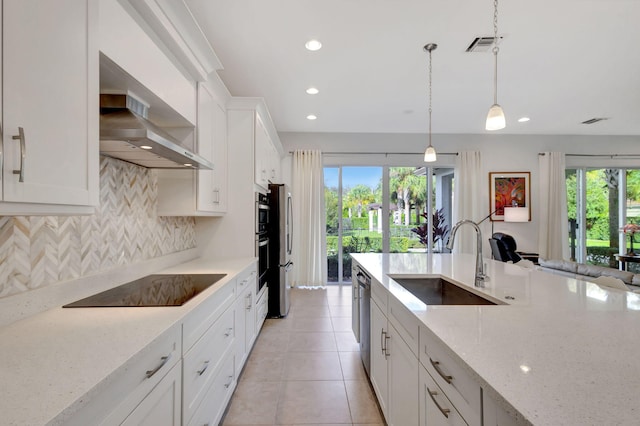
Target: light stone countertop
[[563, 352], [54, 362]]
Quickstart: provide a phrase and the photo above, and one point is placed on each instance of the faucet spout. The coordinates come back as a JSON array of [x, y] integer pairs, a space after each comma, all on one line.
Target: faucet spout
[[480, 277]]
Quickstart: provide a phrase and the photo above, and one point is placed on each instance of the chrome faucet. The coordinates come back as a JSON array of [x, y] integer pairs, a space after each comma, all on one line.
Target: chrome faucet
[[480, 275]]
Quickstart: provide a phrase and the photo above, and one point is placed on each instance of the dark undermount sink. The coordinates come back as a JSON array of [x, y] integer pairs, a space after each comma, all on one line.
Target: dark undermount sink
[[437, 291]]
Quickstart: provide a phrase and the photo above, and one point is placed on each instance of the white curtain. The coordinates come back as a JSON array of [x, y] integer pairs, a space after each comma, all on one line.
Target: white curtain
[[553, 229], [466, 198], [309, 254]]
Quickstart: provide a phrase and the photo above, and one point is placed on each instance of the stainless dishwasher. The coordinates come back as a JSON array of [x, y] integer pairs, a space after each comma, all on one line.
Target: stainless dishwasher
[[364, 287]]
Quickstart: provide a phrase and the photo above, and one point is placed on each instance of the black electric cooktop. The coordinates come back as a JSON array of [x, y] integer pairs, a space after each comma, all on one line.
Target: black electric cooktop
[[152, 290]]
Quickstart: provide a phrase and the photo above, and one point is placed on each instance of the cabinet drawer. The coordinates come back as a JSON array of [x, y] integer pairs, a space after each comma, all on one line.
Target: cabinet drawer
[[217, 396], [202, 317], [406, 324], [458, 385], [204, 360], [435, 407], [132, 382], [262, 306], [246, 279]]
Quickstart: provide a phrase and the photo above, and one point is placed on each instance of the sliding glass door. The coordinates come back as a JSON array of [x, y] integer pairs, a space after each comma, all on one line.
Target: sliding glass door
[[383, 209], [600, 203]]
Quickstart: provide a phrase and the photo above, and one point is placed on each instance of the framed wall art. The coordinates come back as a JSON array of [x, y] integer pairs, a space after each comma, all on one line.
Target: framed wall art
[[511, 189]]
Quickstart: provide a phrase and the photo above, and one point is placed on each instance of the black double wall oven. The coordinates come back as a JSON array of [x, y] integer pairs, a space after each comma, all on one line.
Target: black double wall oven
[[262, 237]]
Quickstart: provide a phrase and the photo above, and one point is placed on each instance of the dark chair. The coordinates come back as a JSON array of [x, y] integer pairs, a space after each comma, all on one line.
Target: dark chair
[[503, 247]]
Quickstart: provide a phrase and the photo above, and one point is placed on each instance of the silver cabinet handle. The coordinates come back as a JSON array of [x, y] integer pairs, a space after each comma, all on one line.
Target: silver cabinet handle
[[204, 368], [445, 411], [228, 332], [386, 345], [436, 365], [23, 153], [226, 385], [163, 360], [382, 341]]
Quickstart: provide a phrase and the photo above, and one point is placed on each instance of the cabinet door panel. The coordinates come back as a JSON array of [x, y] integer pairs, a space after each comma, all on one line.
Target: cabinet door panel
[[403, 382], [379, 378], [50, 83], [205, 199]]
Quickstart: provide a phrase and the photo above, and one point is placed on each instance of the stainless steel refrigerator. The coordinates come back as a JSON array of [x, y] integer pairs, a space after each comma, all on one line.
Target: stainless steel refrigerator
[[280, 249]]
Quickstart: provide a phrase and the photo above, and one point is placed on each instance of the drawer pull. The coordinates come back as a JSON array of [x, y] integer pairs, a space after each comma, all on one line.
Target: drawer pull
[[445, 411], [163, 360], [382, 341], [436, 365], [23, 153], [226, 385], [204, 368], [228, 332]]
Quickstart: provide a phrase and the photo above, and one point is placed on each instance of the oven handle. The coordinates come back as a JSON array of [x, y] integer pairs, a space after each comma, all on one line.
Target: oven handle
[[263, 243]]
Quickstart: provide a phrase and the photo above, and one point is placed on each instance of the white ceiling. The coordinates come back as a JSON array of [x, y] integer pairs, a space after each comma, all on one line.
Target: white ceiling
[[561, 62]]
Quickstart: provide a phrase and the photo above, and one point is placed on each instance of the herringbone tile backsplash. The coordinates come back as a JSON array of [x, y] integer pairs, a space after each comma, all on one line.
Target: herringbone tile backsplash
[[36, 251]]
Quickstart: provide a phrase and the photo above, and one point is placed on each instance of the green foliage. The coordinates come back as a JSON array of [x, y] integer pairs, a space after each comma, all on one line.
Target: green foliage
[[368, 244], [357, 198], [603, 256], [360, 222], [597, 206], [331, 208]]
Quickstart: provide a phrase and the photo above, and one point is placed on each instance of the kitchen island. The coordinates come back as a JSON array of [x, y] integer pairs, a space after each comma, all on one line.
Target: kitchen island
[[553, 351]]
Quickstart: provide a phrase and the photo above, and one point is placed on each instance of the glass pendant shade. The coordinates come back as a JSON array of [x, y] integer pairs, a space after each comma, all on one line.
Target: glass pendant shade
[[430, 154], [495, 118]]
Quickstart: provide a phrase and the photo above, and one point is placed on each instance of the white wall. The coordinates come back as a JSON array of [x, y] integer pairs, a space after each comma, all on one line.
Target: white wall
[[500, 153]]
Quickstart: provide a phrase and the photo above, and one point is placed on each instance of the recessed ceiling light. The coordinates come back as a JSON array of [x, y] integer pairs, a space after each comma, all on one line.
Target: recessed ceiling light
[[313, 45], [188, 165], [312, 91], [145, 147], [523, 119], [311, 117]]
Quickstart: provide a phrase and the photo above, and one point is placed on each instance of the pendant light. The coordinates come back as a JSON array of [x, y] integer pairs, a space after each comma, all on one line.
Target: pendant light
[[430, 152], [495, 118]]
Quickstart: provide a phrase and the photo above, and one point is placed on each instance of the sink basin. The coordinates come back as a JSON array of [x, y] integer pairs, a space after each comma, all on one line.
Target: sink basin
[[437, 291]]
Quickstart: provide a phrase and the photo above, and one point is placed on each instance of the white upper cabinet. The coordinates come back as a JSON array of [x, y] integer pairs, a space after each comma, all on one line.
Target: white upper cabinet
[[50, 107], [201, 192], [254, 137]]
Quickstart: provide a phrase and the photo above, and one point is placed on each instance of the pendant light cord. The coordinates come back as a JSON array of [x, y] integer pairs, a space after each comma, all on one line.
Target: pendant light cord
[[430, 97], [495, 51]]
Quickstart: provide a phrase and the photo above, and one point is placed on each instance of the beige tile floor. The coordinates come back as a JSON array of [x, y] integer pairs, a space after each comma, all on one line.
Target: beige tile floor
[[305, 369]]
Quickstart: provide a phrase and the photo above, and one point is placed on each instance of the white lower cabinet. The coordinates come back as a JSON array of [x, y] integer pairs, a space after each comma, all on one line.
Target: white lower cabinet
[[394, 371], [262, 309], [455, 384], [245, 318], [379, 364], [162, 407], [203, 363], [435, 408], [218, 395], [493, 414]]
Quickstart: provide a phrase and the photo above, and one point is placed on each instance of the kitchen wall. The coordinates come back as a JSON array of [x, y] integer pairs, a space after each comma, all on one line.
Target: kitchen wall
[[36, 251], [500, 153]]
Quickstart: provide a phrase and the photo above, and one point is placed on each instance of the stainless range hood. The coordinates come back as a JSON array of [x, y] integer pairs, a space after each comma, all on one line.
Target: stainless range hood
[[126, 134]]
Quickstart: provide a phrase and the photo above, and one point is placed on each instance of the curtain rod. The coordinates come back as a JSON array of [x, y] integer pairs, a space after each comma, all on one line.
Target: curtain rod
[[379, 153], [599, 155]]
